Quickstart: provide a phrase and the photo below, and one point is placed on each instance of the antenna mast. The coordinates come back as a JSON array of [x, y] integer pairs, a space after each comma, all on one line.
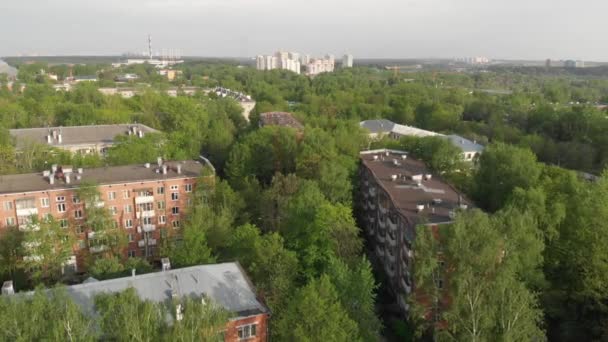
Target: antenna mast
[[149, 46]]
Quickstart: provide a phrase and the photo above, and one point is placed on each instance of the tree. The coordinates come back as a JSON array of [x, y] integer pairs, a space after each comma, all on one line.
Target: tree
[[47, 247], [356, 289], [27, 318], [315, 314], [124, 316], [502, 168], [11, 251], [201, 320]]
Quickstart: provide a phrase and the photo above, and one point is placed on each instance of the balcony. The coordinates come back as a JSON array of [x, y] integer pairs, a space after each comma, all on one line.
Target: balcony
[[382, 222], [371, 231], [27, 212], [371, 205], [28, 227], [390, 271], [98, 249], [392, 241], [91, 235], [149, 228], [31, 244], [405, 286], [142, 243], [144, 199], [100, 204], [383, 210], [391, 224], [381, 238], [32, 258], [380, 251], [145, 213], [372, 191], [403, 304], [390, 256]]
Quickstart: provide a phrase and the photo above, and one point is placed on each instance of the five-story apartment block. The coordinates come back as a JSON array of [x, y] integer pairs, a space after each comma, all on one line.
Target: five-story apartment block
[[147, 202], [397, 194]]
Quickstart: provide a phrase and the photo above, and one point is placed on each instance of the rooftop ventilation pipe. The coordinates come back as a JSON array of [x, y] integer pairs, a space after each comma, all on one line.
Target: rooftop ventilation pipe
[[7, 288], [179, 169], [164, 169]]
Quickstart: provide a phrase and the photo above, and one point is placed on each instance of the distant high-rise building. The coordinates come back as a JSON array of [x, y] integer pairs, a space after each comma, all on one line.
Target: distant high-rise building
[[260, 62], [305, 59], [548, 63], [280, 60], [347, 61], [574, 64]]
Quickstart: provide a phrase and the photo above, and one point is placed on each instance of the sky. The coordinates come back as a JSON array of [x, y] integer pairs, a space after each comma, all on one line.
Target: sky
[[499, 29]]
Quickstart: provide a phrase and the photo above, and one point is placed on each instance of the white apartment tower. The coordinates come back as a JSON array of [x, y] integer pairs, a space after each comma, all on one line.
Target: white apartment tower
[[347, 61]]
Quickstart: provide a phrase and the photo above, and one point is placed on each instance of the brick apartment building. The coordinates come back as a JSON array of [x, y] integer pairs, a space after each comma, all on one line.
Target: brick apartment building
[[398, 193], [147, 201]]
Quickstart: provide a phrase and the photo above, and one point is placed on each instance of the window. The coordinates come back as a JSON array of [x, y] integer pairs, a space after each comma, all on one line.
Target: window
[[189, 202], [113, 210], [174, 196], [146, 220], [10, 221], [45, 202], [75, 199], [128, 223], [175, 210], [79, 229], [162, 219], [114, 224], [128, 208], [61, 207], [78, 214], [81, 244], [60, 198], [8, 206], [175, 224], [188, 187], [131, 238], [63, 223], [111, 195], [160, 190], [163, 233], [126, 194], [161, 205], [174, 187], [247, 331], [131, 253]]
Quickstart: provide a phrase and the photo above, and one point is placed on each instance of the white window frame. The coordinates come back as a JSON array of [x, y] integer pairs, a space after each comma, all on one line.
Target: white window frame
[[8, 205], [244, 332], [160, 190], [175, 224], [128, 208], [126, 194], [175, 196], [63, 223], [188, 187], [113, 210], [175, 211], [174, 187], [60, 198], [77, 214], [111, 195], [61, 207], [162, 219], [45, 202], [10, 221], [128, 223], [131, 253]]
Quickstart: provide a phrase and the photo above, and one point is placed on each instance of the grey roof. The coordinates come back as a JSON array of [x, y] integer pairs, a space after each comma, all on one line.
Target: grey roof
[[76, 135], [103, 175], [378, 126], [465, 144], [225, 284]]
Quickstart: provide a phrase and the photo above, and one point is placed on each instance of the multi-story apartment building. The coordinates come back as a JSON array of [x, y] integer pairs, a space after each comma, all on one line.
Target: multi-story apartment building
[[226, 285], [347, 61], [147, 202], [81, 139], [397, 194]]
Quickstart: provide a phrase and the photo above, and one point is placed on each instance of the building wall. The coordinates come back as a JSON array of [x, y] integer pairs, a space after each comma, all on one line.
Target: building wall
[[261, 322], [125, 195]]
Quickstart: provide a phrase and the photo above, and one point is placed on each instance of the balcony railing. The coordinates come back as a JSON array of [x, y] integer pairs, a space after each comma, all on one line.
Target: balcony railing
[[390, 270], [149, 227], [380, 251], [380, 238], [392, 241], [142, 243], [98, 248], [28, 227], [145, 213], [144, 199], [390, 256], [26, 212]]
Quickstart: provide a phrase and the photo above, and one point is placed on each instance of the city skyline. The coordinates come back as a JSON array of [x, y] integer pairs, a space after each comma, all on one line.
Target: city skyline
[[238, 28]]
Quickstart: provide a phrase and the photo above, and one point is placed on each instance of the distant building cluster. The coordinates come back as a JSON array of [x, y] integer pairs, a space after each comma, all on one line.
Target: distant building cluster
[[570, 63], [477, 60], [280, 60], [297, 63], [282, 119]]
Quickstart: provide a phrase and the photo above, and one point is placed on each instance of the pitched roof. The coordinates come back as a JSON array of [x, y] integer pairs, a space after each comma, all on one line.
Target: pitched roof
[[378, 126], [28, 182], [76, 135], [225, 284], [465, 144]]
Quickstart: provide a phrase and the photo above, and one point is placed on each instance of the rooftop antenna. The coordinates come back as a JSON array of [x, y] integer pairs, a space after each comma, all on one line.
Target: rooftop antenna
[[149, 46]]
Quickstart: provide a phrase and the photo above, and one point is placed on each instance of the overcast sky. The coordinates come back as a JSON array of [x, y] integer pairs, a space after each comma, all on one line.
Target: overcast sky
[[526, 29]]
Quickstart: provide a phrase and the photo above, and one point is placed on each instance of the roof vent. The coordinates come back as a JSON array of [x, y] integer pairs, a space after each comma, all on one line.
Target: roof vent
[[166, 264], [54, 168], [420, 207], [147, 165], [404, 156], [437, 201], [159, 161], [375, 157], [388, 153], [80, 170], [178, 168], [463, 206], [52, 179], [7, 288], [67, 178], [164, 169], [393, 177], [78, 177], [46, 173], [428, 176], [452, 214]]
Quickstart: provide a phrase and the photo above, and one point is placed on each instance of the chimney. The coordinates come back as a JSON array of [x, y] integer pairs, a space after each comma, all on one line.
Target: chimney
[[54, 134], [52, 178], [49, 139], [7, 288], [80, 170], [147, 165], [59, 138], [67, 178], [53, 168], [132, 272], [140, 133], [159, 161], [179, 169], [166, 264], [164, 169]]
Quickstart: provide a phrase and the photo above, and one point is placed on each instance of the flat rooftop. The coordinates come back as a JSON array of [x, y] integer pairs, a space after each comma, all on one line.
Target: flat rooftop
[[29, 182], [283, 119], [412, 187], [76, 135]]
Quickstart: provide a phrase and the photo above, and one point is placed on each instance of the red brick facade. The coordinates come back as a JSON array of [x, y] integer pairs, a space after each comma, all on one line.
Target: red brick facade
[[147, 211], [261, 329]]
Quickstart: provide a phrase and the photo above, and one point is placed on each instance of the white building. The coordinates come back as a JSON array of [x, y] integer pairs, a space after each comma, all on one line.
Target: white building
[[347, 61], [280, 60], [318, 65]]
